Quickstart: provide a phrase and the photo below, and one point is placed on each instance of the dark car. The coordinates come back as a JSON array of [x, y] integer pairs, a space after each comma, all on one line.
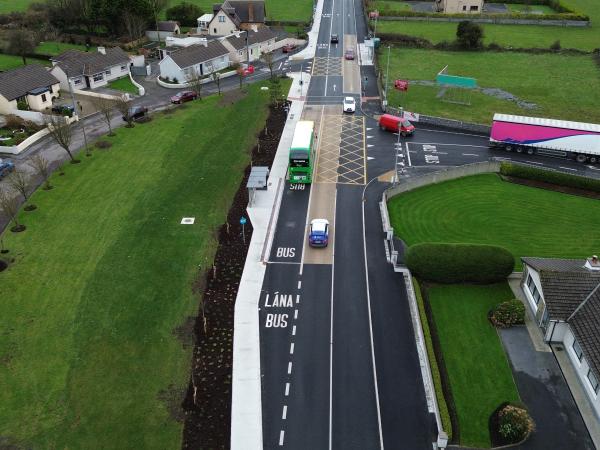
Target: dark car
[[64, 110], [184, 96], [335, 39], [6, 167], [288, 48], [349, 54], [135, 113]]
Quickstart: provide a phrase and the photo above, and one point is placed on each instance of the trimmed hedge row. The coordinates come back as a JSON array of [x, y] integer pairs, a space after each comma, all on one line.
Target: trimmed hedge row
[[459, 263], [517, 16], [548, 176]]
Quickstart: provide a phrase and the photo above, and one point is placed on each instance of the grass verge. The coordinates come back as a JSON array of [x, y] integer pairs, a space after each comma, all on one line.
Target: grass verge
[[478, 370], [102, 279], [8, 62], [123, 84], [56, 48], [483, 209]]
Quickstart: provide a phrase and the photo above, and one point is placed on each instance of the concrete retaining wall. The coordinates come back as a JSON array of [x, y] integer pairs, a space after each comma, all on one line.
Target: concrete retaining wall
[[17, 149], [93, 94], [560, 23]]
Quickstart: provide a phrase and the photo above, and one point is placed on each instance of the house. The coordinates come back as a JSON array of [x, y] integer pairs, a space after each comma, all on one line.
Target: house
[[172, 44], [459, 6], [231, 16], [564, 297], [259, 41], [90, 69], [203, 23], [32, 85], [166, 28], [201, 59]]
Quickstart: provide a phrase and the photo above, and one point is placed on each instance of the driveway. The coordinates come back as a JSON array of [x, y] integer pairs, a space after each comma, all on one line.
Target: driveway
[[544, 390]]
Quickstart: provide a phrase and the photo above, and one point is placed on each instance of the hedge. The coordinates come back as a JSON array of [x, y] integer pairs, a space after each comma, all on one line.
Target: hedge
[[459, 263], [435, 371], [549, 176], [515, 15]]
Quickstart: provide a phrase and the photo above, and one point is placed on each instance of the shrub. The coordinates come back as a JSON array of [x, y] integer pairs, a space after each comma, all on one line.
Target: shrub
[[459, 263], [14, 122], [469, 35], [509, 313], [514, 423], [103, 144], [185, 13], [549, 176]]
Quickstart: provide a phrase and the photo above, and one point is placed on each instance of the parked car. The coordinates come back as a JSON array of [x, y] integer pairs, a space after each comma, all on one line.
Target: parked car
[[6, 167], [288, 48], [349, 104], [64, 110], [184, 96], [136, 113], [334, 38], [248, 70], [349, 54], [394, 123], [319, 233]]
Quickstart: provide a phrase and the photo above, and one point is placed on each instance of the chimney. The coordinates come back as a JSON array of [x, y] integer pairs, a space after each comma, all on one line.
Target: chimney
[[102, 50], [593, 263], [203, 41]]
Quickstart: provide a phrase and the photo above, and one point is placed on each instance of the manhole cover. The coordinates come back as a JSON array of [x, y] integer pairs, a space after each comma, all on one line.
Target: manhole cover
[[188, 220]]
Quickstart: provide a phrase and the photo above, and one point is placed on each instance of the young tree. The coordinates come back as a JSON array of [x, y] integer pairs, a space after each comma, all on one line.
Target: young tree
[[240, 72], [41, 167], [134, 25], [267, 58], [18, 181], [123, 107], [275, 91], [105, 107], [194, 81], [9, 204], [469, 35], [62, 132], [157, 7], [216, 77], [21, 43]]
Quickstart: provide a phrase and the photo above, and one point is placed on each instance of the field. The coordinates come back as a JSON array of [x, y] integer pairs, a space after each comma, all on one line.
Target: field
[[479, 372], [391, 5], [483, 209], [7, 6], [538, 9], [516, 36], [123, 84], [102, 278], [56, 48], [283, 10], [8, 62], [563, 86]]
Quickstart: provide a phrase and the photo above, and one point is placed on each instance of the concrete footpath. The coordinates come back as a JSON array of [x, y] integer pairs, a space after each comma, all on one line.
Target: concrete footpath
[[246, 408]]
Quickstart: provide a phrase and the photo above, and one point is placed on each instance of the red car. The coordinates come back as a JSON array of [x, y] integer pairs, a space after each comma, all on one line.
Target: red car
[[248, 70], [184, 96], [349, 54], [288, 48]]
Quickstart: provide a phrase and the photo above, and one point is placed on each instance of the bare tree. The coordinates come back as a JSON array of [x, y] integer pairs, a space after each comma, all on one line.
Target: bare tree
[[61, 131], [240, 72], [268, 59], [157, 7], [123, 107], [195, 82], [134, 25], [18, 181], [21, 43], [216, 77], [105, 107], [41, 167], [9, 204]]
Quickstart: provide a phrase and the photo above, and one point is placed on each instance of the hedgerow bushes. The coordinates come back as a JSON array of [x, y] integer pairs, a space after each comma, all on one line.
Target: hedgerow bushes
[[548, 176], [507, 314], [459, 263]]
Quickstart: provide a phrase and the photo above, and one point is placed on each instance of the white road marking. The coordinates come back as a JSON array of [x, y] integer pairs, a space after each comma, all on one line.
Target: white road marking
[[447, 144], [295, 314], [454, 132], [284, 413], [289, 368], [293, 330], [298, 297], [299, 284], [281, 437], [593, 168], [470, 154], [331, 335], [287, 389], [568, 168], [292, 348], [535, 162]]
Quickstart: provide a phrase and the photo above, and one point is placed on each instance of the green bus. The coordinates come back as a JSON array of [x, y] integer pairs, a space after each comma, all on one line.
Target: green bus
[[302, 153]]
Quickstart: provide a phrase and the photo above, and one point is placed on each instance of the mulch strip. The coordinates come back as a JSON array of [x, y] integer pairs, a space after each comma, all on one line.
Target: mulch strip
[[552, 187]]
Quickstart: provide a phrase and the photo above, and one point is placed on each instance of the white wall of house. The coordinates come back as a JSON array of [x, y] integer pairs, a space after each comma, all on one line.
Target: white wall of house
[[556, 331], [529, 290], [153, 34], [170, 69], [582, 369], [43, 101], [255, 50], [7, 106], [110, 74], [221, 25]]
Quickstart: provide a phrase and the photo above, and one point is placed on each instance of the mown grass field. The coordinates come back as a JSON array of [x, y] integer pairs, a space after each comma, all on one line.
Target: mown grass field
[[56, 48], [7, 6], [516, 36], [565, 87], [478, 369], [8, 62], [483, 209], [102, 277], [296, 10]]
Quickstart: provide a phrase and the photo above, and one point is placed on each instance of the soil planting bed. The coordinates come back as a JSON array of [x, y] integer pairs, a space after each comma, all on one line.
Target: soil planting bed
[[207, 404]]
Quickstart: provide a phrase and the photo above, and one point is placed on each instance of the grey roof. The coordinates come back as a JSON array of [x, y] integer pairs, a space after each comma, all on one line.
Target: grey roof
[[78, 63], [262, 35], [243, 11], [198, 53], [18, 82], [586, 327], [167, 25], [556, 264]]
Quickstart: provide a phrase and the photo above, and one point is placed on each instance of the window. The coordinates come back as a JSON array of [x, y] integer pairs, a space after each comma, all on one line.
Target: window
[[464, 8], [123, 68], [44, 98], [107, 72], [98, 77], [215, 30], [577, 349], [530, 282], [593, 381], [221, 19], [77, 81], [536, 295], [474, 8]]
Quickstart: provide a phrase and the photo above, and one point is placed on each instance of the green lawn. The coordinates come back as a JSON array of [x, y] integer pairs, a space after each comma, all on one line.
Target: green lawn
[[7, 6], [530, 9], [479, 372], [56, 48], [296, 10], [123, 84], [483, 209], [546, 82], [103, 275], [8, 62], [391, 5]]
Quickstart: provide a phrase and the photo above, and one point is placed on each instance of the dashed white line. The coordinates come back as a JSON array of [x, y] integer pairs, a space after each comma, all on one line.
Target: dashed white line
[[287, 389], [289, 368], [294, 330], [292, 348], [281, 437], [299, 284], [470, 154], [297, 298], [535, 162], [568, 168], [295, 314], [284, 413]]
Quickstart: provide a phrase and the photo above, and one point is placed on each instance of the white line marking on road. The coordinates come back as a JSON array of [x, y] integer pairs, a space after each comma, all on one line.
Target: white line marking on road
[[454, 132], [408, 156], [331, 333], [289, 368], [287, 389], [535, 162], [447, 144], [281, 437], [593, 168], [297, 298], [568, 168], [295, 314], [282, 262], [300, 284], [279, 67], [470, 154], [292, 348], [294, 330], [284, 413]]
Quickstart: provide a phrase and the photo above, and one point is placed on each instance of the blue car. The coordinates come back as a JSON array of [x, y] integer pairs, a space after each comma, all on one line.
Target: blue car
[[6, 167], [319, 233]]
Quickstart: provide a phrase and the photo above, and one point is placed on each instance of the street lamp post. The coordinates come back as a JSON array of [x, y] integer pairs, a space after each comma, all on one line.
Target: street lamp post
[[387, 76]]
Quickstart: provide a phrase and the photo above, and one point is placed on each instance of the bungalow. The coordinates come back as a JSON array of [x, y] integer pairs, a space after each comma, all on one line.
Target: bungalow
[[231, 16], [202, 59], [32, 85], [166, 28], [90, 69], [564, 297], [258, 42]]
